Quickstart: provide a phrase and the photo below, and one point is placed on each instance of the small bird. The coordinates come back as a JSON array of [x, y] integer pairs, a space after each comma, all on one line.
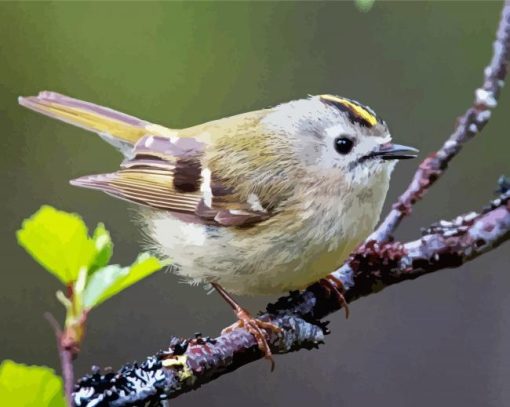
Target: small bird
[[258, 203]]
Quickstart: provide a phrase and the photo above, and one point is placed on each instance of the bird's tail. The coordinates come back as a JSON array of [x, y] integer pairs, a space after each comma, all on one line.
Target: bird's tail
[[119, 129]]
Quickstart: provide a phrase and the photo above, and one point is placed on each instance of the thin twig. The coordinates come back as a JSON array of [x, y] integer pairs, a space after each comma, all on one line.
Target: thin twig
[[66, 358], [468, 125]]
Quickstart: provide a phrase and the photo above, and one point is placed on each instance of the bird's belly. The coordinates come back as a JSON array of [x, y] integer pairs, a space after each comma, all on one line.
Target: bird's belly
[[292, 266], [256, 266], [271, 260], [311, 266]]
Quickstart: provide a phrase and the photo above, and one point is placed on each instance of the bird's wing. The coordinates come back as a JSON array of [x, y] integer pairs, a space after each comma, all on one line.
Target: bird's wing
[[168, 174], [119, 129]]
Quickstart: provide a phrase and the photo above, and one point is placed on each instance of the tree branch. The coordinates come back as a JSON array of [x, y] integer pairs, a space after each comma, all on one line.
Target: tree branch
[[378, 263], [467, 127]]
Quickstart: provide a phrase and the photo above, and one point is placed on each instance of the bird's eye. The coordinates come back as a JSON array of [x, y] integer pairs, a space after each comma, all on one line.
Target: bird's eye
[[343, 145]]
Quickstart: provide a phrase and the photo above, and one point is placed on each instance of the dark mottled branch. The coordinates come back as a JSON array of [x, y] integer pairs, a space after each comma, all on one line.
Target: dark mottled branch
[[467, 127], [378, 263], [190, 363]]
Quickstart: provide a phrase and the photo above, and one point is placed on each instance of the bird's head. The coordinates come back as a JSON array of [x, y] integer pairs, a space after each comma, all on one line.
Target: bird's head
[[335, 135]]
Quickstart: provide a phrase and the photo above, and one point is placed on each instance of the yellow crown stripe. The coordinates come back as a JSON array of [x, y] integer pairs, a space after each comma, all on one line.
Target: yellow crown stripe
[[355, 108]]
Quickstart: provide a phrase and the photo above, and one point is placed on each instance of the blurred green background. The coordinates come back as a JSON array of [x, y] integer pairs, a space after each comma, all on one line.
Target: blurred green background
[[441, 340]]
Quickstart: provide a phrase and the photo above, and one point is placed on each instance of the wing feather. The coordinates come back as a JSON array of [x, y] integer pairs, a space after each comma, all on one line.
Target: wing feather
[[168, 174]]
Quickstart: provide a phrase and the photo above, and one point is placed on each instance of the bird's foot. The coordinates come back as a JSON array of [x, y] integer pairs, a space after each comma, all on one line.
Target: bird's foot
[[334, 286], [258, 329]]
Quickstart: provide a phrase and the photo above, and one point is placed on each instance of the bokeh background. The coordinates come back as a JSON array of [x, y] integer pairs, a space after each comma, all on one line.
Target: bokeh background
[[440, 340]]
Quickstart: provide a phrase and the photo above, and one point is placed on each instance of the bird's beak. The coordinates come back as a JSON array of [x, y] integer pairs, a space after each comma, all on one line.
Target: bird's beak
[[389, 151]]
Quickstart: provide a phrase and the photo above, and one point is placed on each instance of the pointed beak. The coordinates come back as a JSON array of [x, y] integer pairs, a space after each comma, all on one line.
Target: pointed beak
[[391, 151]]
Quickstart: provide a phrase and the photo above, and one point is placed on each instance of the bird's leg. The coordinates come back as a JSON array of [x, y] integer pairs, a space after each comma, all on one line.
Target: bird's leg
[[334, 285], [254, 326]]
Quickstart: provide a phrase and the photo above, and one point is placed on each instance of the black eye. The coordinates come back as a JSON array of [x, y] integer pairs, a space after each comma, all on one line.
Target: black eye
[[343, 145]]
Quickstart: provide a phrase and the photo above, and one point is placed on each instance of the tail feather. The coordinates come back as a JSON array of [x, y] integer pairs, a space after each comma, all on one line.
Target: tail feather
[[119, 129]]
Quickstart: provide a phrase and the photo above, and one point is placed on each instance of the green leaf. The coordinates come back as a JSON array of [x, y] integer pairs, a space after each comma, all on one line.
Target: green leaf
[[59, 241], [30, 386], [104, 247], [110, 280], [364, 5]]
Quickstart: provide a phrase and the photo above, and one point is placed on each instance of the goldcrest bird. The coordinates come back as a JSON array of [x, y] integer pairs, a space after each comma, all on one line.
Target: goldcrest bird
[[258, 203]]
